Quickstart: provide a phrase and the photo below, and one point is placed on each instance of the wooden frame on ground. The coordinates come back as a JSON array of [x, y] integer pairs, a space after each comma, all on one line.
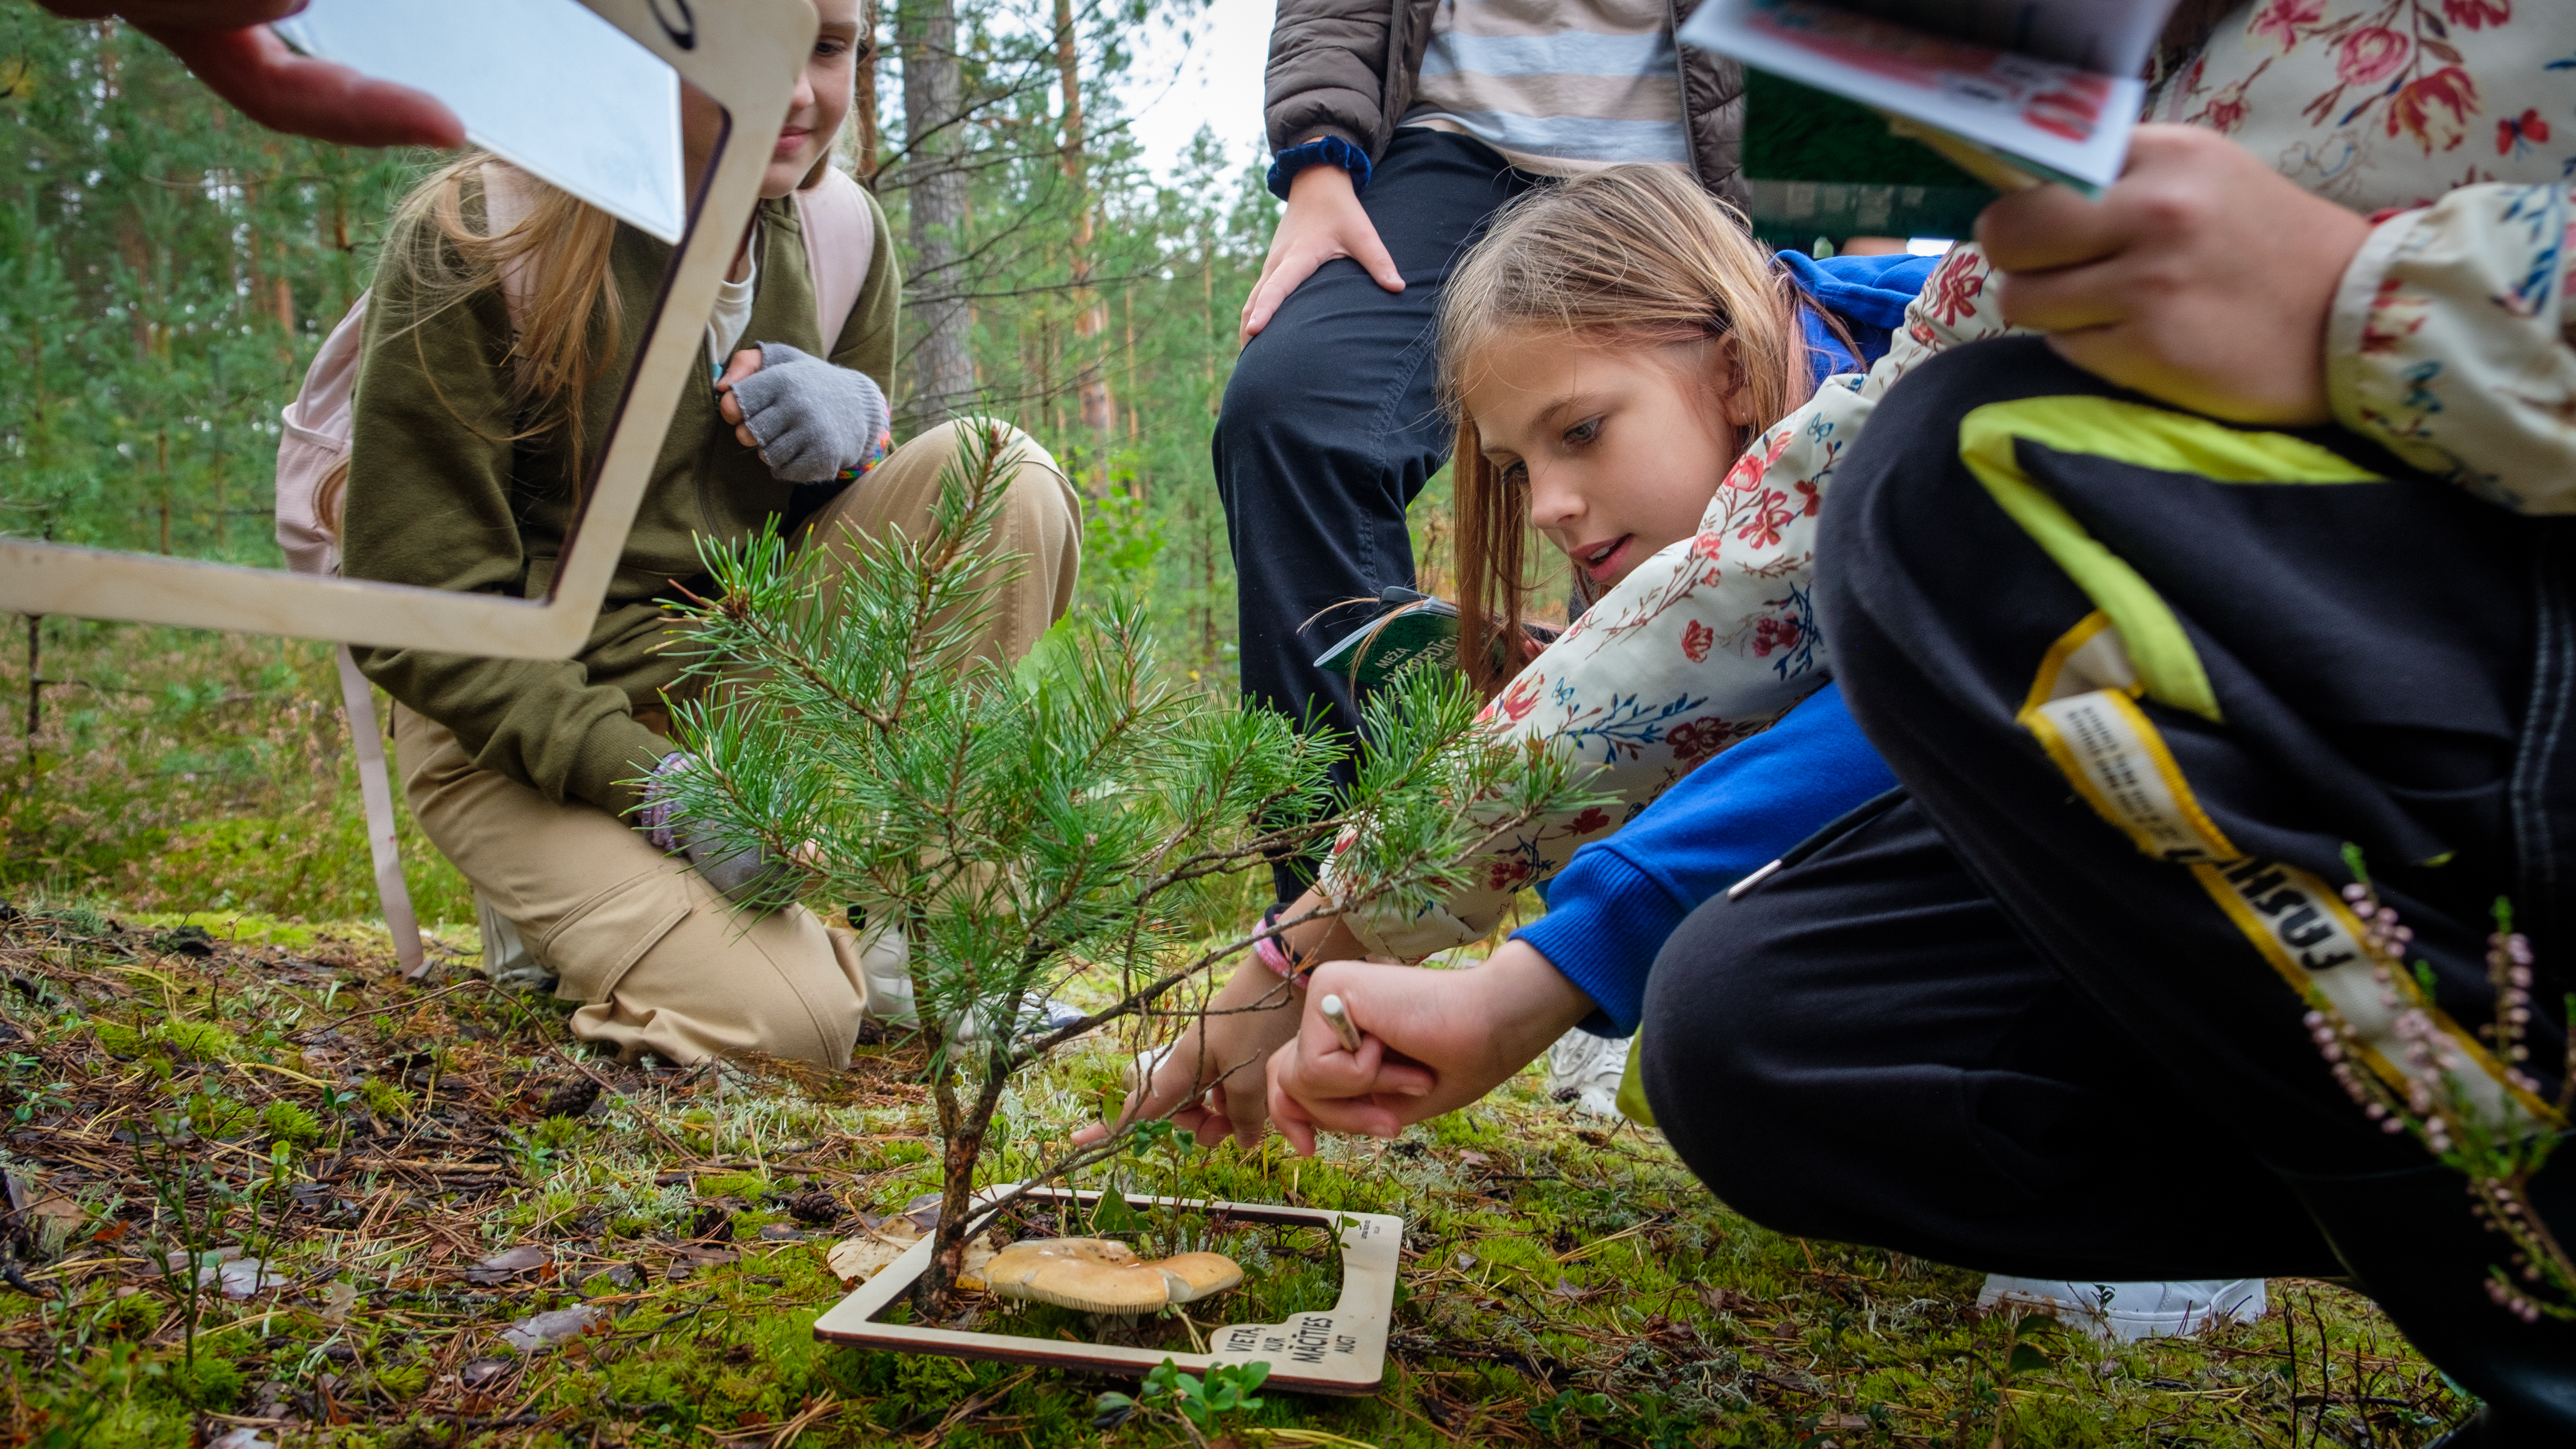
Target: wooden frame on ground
[[1339, 1350], [749, 64]]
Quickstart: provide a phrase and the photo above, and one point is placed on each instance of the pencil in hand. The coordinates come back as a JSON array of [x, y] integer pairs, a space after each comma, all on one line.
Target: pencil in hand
[[1338, 1017]]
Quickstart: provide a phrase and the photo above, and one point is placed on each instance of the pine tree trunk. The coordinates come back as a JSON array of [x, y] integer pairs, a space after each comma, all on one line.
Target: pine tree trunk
[[35, 691], [963, 1128], [134, 246], [944, 365], [281, 299], [863, 101], [1127, 304], [1091, 315], [1207, 321], [161, 465]]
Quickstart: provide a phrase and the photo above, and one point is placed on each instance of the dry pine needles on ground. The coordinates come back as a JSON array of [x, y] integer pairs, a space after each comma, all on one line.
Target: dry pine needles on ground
[[422, 1217]]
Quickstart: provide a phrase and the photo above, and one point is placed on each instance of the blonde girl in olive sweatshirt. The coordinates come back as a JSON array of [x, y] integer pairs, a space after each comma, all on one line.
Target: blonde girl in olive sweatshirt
[[476, 418]]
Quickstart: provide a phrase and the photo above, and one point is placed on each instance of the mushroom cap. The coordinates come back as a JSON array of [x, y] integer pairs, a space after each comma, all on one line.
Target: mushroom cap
[[1091, 1274], [1191, 1276]]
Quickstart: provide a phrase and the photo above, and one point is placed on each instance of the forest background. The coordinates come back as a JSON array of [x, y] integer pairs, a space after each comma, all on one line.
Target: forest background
[[167, 271]]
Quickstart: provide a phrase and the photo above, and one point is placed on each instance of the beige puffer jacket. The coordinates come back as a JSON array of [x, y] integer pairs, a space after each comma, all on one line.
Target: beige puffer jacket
[[1347, 68]]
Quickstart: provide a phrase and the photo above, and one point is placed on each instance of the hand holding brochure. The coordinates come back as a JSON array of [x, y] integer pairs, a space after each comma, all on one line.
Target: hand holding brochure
[[2057, 105]]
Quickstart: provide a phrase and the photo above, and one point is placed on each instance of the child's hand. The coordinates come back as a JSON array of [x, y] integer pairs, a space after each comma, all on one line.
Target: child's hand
[[1324, 221], [1431, 1041], [813, 422], [2203, 277], [743, 364], [1216, 1066]]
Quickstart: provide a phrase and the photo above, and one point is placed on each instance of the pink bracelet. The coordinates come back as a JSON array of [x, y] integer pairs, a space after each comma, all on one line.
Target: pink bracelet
[[1273, 953]]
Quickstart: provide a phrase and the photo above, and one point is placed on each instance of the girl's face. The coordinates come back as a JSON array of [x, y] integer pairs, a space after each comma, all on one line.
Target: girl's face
[[820, 103], [1622, 445]]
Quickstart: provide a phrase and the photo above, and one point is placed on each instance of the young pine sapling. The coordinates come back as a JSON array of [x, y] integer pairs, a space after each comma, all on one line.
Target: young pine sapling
[[1073, 817]]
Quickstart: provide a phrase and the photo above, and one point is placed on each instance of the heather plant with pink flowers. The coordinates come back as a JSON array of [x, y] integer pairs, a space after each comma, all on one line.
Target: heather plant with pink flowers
[[2499, 1143]]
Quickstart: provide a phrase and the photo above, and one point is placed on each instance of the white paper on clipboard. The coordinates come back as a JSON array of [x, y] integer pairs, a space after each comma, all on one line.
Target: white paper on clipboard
[[544, 84]]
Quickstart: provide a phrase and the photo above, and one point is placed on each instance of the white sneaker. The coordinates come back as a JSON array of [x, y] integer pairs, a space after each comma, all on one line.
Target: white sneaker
[[1037, 1016], [1583, 1071], [885, 964], [2122, 1312], [506, 957]]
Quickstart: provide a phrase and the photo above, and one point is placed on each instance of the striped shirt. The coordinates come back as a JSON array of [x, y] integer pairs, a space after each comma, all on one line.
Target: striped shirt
[[1560, 87]]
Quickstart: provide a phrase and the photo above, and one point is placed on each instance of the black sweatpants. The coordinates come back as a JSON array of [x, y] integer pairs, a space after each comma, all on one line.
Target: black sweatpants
[[1865, 1049], [2046, 1016], [1331, 425]]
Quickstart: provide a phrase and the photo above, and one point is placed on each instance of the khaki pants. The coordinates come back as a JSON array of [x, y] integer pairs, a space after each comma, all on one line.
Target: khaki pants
[[660, 960]]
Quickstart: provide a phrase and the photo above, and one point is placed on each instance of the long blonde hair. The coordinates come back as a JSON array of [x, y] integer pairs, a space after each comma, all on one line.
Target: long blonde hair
[[570, 321], [1633, 255]]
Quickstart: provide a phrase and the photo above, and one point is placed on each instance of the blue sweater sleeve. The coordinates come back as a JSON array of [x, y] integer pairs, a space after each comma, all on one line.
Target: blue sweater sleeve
[[1867, 294], [1612, 906]]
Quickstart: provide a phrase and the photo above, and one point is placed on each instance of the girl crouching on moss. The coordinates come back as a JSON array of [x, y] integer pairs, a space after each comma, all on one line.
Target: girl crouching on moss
[[1666, 406], [1609, 350], [499, 338]]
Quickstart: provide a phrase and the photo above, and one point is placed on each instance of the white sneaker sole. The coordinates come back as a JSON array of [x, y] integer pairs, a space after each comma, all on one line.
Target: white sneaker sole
[[2240, 1301]]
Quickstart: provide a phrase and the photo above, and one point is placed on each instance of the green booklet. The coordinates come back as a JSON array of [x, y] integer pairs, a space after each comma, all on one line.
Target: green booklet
[[1410, 630]]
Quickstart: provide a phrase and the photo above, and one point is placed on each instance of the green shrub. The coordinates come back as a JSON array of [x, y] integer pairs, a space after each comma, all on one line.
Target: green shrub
[[385, 1099], [201, 1040], [288, 1122], [733, 1184], [121, 1041], [214, 1115], [210, 1383], [130, 1317]]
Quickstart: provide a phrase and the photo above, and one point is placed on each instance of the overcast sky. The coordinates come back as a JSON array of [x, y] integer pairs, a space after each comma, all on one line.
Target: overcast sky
[[1214, 80]]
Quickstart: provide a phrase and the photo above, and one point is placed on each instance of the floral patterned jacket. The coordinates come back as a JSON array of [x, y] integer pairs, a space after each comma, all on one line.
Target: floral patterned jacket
[[2456, 119], [1703, 646], [2450, 342]]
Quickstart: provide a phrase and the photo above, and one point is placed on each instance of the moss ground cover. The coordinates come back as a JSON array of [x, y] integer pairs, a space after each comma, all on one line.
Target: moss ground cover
[[431, 1176]]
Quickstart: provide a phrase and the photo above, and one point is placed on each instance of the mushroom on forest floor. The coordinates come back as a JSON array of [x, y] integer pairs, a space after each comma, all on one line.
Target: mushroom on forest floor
[[1100, 1276], [1189, 1277]]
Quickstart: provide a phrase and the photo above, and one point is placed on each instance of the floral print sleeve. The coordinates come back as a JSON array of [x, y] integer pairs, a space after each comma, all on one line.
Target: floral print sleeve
[[1705, 645], [2449, 339], [2452, 343]]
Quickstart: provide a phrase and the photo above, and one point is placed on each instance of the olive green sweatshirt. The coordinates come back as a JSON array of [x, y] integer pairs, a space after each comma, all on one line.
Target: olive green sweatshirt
[[440, 495]]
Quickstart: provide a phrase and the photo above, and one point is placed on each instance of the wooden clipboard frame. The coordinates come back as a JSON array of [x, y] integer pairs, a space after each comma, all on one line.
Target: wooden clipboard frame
[[1339, 1350], [747, 63]]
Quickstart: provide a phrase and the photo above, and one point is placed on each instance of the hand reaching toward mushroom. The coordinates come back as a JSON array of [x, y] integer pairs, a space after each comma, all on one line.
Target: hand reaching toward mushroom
[[229, 46], [1216, 1067], [1431, 1041]]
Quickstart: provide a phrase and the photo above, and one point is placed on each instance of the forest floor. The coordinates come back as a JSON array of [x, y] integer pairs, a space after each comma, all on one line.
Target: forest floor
[[427, 1171]]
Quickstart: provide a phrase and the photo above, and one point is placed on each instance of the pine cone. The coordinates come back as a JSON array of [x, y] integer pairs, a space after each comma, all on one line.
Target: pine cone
[[571, 1097]]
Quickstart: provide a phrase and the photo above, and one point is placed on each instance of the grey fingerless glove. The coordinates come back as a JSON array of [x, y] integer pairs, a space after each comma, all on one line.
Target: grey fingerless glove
[[815, 421], [737, 875]]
